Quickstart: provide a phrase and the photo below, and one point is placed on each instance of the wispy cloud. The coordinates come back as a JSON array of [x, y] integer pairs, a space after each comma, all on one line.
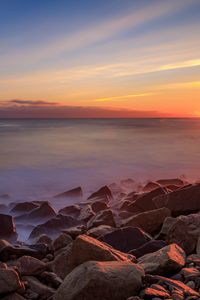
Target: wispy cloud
[[31, 102], [130, 96]]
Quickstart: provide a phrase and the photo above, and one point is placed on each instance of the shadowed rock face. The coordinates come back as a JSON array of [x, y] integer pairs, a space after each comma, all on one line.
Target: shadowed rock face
[[9, 281], [101, 280], [126, 239], [148, 247], [73, 193], [104, 217], [7, 227], [103, 191], [23, 207], [182, 201]]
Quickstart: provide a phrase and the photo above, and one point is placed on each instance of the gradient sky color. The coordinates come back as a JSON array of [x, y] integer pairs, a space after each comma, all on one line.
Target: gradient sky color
[[108, 58]]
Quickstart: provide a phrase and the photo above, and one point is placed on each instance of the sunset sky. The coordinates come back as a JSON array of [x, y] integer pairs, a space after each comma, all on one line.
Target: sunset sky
[[106, 58]]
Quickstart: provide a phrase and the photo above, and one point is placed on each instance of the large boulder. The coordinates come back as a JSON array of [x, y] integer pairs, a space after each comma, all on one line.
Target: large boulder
[[73, 193], [182, 201], [9, 281], [53, 226], [30, 266], [185, 231], [171, 181], [99, 231], [62, 241], [104, 217], [104, 192], [149, 247], [144, 201], [149, 221], [7, 228], [99, 205], [164, 261], [23, 207], [86, 248], [101, 280], [72, 210], [126, 238], [86, 213], [42, 290]]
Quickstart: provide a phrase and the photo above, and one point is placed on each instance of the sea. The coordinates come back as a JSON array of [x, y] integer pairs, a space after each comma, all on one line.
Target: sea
[[42, 157]]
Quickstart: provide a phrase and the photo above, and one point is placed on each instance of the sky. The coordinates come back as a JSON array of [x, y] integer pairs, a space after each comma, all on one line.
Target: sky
[[108, 58]]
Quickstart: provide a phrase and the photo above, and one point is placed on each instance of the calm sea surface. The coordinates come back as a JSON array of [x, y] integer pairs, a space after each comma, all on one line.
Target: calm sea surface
[[43, 157]]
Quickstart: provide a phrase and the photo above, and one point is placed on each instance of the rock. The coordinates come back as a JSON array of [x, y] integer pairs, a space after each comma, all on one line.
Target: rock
[[126, 238], [194, 259], [23, 207], [149, 247], [9, 281], [99, 206], [144, 201], [172, 181], [52, 279], [104, 192], [125, 214], [61, 263], [185, 232], [72, 210], [156, 291], [53, 226], [30, 266], [75, 231], [7, 228], [149, 221], [191, 284], [13, 296], [3, 208], [104, 217], [150, 186], [61, 241], [101, 280], [128, 183], [86, 248], [198, 246], [38, 287], [99, 231], [73, 193], [44, 239], [86, 213], [168, 222], [190, 273], [164, 261], [182, 201], [44, 212]]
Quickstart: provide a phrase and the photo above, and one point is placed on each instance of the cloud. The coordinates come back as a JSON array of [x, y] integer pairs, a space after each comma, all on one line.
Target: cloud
[[31, 102], [106, 99]]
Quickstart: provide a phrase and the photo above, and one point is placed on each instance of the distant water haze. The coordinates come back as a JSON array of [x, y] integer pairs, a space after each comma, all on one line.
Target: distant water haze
[[40, 158]]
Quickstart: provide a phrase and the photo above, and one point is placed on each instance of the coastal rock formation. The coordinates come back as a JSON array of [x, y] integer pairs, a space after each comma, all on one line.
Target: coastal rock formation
[[9, 281], [104, 217], [103, 193], [73, 193], [7, 227]]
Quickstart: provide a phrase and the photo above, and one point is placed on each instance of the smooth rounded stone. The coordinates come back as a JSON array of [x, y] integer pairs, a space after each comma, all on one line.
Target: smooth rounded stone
[[126, 238], [99, 205], [30, 266], [99, 231], [149, 247], [9, 281], [71, 210], [86, 248], [39, 288], [61, 241], [101, 280], [53, 226], [44, 239], [104, 217], [44, 212], [164, 261], [86, 213], [13, 296], [149, 221], [23, 207], [144, 201], [52, 279], [182, 201], [151, 292], [7, 228], [185, 232], [73, 193], [103, 191], [75, 231]]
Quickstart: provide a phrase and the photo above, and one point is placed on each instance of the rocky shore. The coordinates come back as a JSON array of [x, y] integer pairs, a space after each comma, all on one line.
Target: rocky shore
[[121, 243]]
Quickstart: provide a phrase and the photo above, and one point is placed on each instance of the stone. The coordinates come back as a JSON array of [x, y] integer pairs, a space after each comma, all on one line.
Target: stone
[[13, 296], [61, 241], [9, 281], [72, 210], [99, 231], [175, 181], [23, 207], [44, 212], [149, 247], [168, 222], [44, 291], [61, 263], [182, 201], [102, 192], [154, 291], [101, 280], [149, 221], [52, 279], [104, 217], [7, 228], [44, 239], [75, 231], [30, 266], [125, 239], [86, 213], [73, 193], [99, 205], [190, 273], [164, 261], [150, 186]]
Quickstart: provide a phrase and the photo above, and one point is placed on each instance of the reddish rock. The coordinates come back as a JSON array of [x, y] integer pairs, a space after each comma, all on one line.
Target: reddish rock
[[149, 247], [150, 186], [73, 193], [173, 181], [30, 266]]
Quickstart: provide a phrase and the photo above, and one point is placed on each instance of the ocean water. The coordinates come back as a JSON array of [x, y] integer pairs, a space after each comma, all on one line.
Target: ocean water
[[39, 158]]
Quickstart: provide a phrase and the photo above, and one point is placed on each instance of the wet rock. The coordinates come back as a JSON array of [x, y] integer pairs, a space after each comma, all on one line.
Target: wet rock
[[72, 210], [182, 201], [101, 280], [164, 261], [53, 226], [104, 192], [7, 228], [73, 193], [23, 207], [99, 231], [104, 217], [9, 281], [30, 266], [61, 241], [149, 247], [39, 288], [149, 221], [126, 238]]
